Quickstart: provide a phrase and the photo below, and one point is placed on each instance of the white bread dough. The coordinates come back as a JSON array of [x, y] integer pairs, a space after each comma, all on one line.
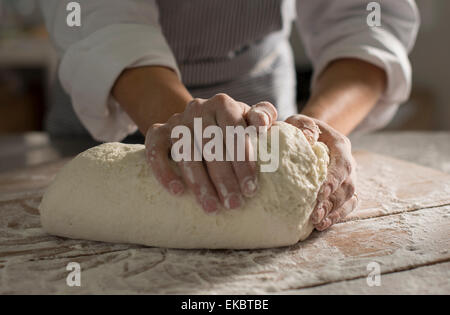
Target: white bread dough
[[108, 193]]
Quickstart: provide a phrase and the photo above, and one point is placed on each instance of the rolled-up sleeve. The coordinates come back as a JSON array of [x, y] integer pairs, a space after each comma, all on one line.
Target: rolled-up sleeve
[[338, 29], [114, 35]]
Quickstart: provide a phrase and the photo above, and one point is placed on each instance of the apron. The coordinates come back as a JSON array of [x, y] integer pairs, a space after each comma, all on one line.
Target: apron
[[236, 47]]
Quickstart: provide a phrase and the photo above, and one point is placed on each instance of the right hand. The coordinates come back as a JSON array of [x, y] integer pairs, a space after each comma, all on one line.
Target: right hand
[[212, 182]]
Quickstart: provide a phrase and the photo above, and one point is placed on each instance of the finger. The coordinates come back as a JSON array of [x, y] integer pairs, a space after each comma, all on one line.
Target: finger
[[238, 146], [157, 145], [307, 126], [344, 193], [342, 212], [193, 170], [221, 171], [246, 168], [337, 170], [340, 151], [345, 210], [226, 186], [340, 167], [197, 179], [335, 201], [262, 114]]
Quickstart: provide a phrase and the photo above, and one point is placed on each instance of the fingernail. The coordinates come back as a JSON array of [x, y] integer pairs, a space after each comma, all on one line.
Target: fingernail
[[210, 204], [263, 115], [250, 187], [233, 201], [318, 215], [176, 187]]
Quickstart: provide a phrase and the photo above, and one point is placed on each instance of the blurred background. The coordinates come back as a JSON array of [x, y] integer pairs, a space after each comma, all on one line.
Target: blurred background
[[28, 67], [429, 104]]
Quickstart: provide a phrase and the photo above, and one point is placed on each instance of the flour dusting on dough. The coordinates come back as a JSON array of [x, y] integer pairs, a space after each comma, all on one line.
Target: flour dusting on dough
[[108, 193]]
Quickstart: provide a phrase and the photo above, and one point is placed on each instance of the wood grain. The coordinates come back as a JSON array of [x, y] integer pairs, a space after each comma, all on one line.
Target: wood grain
[[386, 186], [397, 242], [402, 223], [432, 279]]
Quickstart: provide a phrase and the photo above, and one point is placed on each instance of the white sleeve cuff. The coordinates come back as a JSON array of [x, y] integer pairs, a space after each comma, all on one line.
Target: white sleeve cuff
[[90, 67], [381, 48]]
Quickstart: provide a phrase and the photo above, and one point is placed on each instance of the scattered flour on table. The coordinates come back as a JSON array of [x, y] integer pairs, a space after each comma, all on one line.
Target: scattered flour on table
[[108, 193]]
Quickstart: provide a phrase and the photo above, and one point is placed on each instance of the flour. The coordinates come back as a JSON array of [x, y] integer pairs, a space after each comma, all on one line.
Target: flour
[[108, 193]]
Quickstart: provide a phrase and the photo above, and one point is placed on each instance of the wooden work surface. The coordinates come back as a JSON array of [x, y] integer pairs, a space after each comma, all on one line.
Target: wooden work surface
[[402, 223]]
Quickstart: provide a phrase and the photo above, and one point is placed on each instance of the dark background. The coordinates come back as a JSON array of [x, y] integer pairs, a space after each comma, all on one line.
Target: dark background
[[28, 70]]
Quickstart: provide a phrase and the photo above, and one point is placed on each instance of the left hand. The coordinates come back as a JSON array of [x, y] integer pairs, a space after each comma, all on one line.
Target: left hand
[[336, 198]]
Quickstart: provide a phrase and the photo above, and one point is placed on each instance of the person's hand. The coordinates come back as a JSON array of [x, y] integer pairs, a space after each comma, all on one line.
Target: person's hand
[[215, 181], [336, 198]]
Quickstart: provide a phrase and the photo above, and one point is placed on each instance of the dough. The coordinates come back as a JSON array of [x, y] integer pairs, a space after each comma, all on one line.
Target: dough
[[108, 193]]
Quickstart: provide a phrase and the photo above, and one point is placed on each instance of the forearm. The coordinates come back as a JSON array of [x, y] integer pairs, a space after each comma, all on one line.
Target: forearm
[[150, 95], [345, 93]]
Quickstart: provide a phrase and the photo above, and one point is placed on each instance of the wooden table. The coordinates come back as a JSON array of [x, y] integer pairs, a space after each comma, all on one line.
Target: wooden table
[[402, 225]]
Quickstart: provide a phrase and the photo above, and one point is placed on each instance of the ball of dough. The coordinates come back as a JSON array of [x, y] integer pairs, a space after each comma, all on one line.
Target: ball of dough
[[108, 193]]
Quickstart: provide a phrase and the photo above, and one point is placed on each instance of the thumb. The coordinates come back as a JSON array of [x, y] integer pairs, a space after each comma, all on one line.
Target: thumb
[[307, 126], [262, 114]]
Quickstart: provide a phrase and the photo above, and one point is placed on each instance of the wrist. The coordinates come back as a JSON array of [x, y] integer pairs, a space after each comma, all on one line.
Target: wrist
[[345, 93], [150, 95], [315, 110]]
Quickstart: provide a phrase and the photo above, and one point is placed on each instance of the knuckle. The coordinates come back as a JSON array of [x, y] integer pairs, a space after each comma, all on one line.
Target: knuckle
[[176, 116], [343, 168], [270, 109], [155, 127], [291, 119], [258, 118], [340, 143], [221, 97], [347, 166], [266, 104], [195, 105], [295, 120], [349, 190], [308, 121], [335, 179], [304, 122], [313, 126], [174, 119], [343, 143], [153, 133], [195, 101], [227, 106]]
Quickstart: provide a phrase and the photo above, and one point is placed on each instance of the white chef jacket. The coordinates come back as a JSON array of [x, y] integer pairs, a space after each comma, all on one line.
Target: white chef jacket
[[231, 46]]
